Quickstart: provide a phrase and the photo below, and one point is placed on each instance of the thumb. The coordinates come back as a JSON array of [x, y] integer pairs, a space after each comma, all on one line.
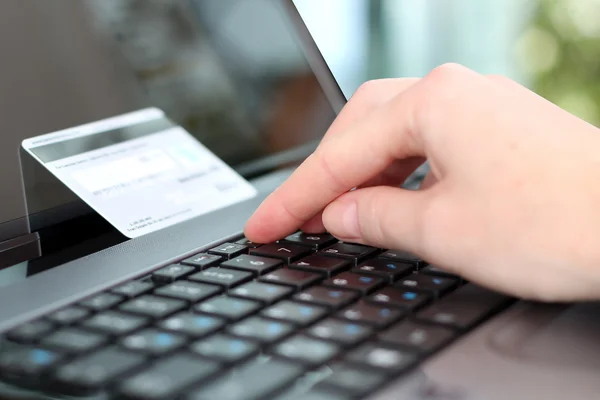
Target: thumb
[[381, 216]]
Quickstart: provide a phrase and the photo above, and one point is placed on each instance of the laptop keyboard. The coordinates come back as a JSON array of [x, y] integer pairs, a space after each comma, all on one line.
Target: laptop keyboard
[[249, 321]]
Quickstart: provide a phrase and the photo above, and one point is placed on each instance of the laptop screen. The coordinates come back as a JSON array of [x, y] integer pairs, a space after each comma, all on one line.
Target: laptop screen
[[233, 73]]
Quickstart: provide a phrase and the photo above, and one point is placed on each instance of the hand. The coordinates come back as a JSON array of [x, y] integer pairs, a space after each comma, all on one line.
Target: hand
[[511, 202]]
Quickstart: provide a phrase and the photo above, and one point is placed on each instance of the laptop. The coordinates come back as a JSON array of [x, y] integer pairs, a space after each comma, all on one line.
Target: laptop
[[194, 310]]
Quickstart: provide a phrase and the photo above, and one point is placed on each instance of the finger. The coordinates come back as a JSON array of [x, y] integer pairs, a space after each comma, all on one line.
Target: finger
[[314, 225], [396, 174], [380, 216], [340, 163], [428, 181]]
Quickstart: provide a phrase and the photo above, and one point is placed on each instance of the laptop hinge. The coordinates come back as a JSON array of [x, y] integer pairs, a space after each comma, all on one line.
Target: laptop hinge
[[20, 249]]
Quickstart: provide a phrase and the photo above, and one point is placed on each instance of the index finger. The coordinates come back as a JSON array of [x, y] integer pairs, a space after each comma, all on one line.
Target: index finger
[[341, 163]]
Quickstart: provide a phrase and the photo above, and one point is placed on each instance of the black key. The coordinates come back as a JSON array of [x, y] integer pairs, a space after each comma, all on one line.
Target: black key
[[22, 361], [402, 256], [393, 297], [296, 313], [73, 340], [133, 288], [371, 314], [418, 337], [435, 285], [202, 261], [260, 329], [385, 269], [436, 271], [69, 315], [91, 373], [30, 332], [251, 382], [225, 348], [101, 301], [333, 298], [168, 378], [253, 264], [229, 250], [306, 350], [323, 265], [292, 277], [342, 332], [228, 307], [152, 306], [248, 243], [465, 307], [316, 241], [115, 323], [192, 325], [388, 360], [348, 280], [153, 342], [354, 380], [353, 252], [189, 291], [262, 292], [283, 251], [171, 273], [227, 278]]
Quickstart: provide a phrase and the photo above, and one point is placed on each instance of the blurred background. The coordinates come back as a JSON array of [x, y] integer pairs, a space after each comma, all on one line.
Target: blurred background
[[551, 46]]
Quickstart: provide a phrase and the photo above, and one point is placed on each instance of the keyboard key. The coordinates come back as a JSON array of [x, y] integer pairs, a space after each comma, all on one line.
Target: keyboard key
[[386, 359], [348, 280], [102, 301], [73, 340], [225, 349], [433, 270], [464, 308], [189, 291], [333, 298], [262, 292], [229, 250], [152, 306], [248, 243], [393, 297], [69, 315], [153, 342], [228, 307], [253, 264], [167, 378], [227, 278], [371, 314], [315, 393], [133, 288], [402, 256], [30, 332], [260, 329], [322, 265], [435, 285], [202, 261], [315, 241], [342, 332], [353, 252], [389, 270], [283, 251], [292, 277], [192, 325], [251, 382], [296, 313], [91, 373], [354, 380], [25, 362], [171, 273], [418, 337], [115, 323], [306, 350]]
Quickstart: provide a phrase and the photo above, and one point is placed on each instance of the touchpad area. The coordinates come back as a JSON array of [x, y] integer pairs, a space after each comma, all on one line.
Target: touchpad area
[[563, 336]]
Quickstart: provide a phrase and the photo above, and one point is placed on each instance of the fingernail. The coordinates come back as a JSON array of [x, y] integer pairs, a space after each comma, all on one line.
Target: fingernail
[[341, 219]]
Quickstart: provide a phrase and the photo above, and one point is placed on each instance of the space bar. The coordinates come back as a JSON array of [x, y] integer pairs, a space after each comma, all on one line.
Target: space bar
[[465, 307]]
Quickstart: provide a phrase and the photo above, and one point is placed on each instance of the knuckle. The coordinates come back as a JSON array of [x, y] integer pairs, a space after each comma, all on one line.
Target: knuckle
[[446, 73], [367, 92]]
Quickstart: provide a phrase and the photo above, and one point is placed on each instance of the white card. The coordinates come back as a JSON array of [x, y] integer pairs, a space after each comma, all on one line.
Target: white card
[[140, 171]]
